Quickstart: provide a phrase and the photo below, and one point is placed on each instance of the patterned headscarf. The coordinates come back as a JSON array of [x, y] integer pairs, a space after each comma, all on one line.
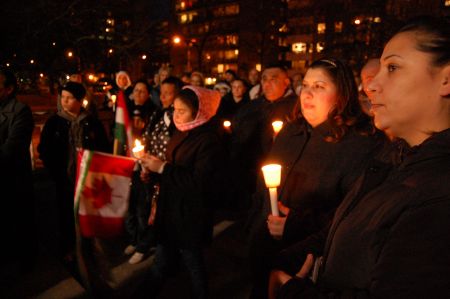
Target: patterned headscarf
[[208, 103]]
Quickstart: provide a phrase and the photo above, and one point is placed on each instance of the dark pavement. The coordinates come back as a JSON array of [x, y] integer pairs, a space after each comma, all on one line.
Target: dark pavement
[[50, 278]]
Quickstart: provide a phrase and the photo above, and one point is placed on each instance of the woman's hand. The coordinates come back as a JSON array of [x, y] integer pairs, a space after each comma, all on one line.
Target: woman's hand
[[276, 224], [283, 209], [152, 163]]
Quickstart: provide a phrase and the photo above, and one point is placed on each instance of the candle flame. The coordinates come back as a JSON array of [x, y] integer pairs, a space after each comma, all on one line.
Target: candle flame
[[277, 126], [272, 175], [227, 124], [113, 98]]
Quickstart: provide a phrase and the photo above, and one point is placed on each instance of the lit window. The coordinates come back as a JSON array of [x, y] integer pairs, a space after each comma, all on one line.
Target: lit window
[[220, 68], [338, 26], [230, 54], [321, 28], [320, 47], [258, 67], [232, 10], [232, 39], [357, 21], [447, 2], [183, 18], [236, 52], [299, 48], [183, 5]]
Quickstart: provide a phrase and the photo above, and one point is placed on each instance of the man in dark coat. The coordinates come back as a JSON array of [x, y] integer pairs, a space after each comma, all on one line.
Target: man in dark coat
[[16, 127], [252, 132]]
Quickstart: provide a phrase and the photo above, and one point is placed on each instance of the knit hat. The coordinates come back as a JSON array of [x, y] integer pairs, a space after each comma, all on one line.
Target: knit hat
[[76, 89], [208, 101]]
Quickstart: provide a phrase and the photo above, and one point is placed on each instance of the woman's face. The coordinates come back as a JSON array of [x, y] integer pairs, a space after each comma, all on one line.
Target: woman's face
[[317, 97], [167, 95], [182, 113], [238, 89], [122, 81], [69, 103], [406, 96], [196, 80], [140, 94]]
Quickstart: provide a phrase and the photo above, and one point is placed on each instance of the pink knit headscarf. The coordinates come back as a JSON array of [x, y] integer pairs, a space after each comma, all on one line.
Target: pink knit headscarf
[[208, 103]]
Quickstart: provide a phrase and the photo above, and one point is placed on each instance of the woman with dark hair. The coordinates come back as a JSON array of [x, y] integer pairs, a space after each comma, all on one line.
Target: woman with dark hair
[[389, 238], [322, 150], [189, 183], [145, 187]]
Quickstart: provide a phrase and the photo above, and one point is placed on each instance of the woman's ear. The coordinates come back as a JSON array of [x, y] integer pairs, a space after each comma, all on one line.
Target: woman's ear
[[444, 87]]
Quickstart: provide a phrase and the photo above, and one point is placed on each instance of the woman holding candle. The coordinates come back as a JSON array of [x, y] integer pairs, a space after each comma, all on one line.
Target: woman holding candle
[[322, 150], [145, 187], [189, 183], [389, 237]]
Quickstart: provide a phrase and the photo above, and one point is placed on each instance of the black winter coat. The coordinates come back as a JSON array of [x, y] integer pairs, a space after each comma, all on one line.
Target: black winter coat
[[251, 140], [55, 148], [390, 236], [316, 175], [16, 185], [189, 186]]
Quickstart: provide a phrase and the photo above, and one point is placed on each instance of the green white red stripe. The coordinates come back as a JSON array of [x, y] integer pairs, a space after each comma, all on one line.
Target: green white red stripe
[[123, 138]]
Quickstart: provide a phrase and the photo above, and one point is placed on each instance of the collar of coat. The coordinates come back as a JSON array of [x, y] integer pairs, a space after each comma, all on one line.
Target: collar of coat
[[436, 145]]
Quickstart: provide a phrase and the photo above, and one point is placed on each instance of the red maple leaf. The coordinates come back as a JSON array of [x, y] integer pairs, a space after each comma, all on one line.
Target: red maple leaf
[[100, 193]]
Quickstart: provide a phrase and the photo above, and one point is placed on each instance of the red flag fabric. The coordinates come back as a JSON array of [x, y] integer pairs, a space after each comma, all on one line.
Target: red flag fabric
[[102, 193]]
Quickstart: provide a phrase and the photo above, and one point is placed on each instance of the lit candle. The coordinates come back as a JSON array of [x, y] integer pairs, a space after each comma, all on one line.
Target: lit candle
[[85, 103], [138, 149], [227, 125], [272, 177], [277, 126], [113, 100]]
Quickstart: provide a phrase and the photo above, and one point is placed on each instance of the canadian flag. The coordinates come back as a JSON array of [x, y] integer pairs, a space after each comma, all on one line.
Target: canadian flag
[[102, 193]]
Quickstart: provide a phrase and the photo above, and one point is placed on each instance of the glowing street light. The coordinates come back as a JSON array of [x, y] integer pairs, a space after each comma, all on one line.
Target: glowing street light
[[176, 40], [144, 57], [70, 54]]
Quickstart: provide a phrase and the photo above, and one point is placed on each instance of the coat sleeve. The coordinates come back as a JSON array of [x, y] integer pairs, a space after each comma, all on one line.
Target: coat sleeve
[[415, 259], [17, 142]]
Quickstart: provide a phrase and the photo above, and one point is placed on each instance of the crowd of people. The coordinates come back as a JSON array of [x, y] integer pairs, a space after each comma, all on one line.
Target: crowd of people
[[363, 198]]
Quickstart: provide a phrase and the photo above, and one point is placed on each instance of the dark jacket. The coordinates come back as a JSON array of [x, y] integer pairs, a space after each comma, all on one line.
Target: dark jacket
[[56, 149], [251, 139], [316, 175], [16, 127], [390, 236], [189, 184]]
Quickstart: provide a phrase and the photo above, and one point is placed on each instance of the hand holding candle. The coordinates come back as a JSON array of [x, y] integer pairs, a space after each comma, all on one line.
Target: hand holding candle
[[272, 177]]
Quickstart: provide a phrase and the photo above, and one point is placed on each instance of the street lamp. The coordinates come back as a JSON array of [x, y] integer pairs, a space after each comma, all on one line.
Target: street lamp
[[189, 43], [70, 54]]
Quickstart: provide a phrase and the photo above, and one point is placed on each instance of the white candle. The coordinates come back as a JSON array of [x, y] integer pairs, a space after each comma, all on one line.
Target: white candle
[[113, 100], [272, 177]]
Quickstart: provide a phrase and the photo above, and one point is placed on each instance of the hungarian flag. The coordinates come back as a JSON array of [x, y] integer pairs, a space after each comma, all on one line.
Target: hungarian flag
[[102, 192], [122, 131]]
